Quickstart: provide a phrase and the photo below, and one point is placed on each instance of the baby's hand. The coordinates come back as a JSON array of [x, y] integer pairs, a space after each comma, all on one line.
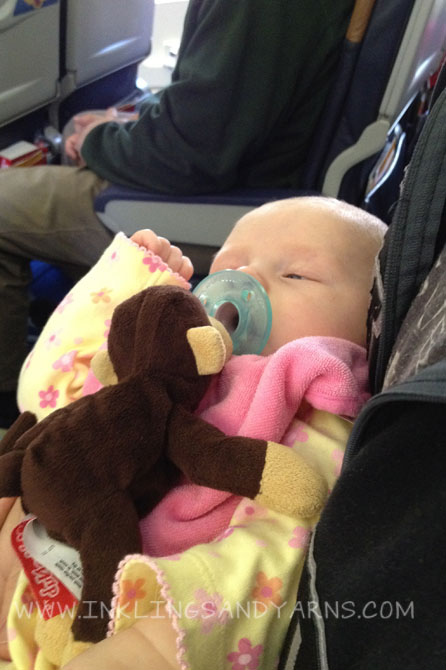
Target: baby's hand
[[168, 253]]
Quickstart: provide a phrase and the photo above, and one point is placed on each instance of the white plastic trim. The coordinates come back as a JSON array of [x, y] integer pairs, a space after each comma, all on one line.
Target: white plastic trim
[[370, 142], [419, 55]]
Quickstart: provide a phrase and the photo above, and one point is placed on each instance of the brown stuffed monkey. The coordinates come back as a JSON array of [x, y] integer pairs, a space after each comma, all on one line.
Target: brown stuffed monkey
[[90, 471]]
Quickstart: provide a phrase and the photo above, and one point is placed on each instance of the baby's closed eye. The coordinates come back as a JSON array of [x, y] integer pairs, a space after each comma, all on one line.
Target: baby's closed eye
[[294, 275]]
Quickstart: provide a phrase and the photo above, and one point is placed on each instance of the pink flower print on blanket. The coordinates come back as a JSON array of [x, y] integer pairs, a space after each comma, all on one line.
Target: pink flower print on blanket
[[65, 302], [209, 609], [28, 599], [101, 296], [154, 263], [49, 397], [300, 538], [65, 362], [53, 340], [248, 510], [296, 434], [227, 533], [28, 359], [247, 657]]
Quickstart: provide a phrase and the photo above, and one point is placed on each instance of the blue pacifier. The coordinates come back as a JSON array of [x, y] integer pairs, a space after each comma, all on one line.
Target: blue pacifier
[[241, 304]]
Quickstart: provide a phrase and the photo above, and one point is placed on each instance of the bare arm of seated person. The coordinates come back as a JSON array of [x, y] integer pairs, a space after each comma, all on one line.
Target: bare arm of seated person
[[148, 645], [11, 514]]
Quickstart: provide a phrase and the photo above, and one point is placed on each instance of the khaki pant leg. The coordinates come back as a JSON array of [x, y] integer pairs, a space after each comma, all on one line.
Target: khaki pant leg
[[46, 213]]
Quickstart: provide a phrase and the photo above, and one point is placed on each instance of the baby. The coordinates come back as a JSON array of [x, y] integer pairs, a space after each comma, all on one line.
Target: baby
[[314, 256]]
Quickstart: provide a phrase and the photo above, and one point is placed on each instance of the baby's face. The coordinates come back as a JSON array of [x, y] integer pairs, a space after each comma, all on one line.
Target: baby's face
[[314, 263]]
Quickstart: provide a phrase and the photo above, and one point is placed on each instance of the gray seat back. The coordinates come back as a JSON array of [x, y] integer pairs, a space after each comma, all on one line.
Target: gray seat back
[[29, 57], [102, 37]]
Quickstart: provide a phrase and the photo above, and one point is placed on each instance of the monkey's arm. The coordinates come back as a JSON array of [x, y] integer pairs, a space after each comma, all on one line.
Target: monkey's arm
[[268, 472]]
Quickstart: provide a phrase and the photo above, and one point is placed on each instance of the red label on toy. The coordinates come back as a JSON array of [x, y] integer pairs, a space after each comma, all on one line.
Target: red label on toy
[[52, 597]]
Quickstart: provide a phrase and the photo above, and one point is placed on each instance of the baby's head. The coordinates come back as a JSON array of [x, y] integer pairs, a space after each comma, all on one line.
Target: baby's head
[[314, 256]]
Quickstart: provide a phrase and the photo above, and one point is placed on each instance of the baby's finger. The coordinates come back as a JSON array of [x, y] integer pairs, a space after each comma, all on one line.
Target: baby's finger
[[162, 249], [186, 269], [150, 240], [174, 259], [170, 254], [145, 238]]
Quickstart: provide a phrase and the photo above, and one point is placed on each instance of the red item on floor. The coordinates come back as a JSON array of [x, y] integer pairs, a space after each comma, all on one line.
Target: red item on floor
[[23, 154]]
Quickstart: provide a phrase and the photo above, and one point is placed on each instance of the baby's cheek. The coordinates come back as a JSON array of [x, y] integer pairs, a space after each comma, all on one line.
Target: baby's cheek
[[354, 318], [282, 332]]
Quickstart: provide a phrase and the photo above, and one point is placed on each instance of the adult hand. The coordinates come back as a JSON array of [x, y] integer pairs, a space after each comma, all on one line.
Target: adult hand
[[84, 122], [82, 126]]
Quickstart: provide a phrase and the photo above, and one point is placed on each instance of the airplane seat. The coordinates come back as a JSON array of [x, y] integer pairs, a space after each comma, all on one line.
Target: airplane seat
[[373, 61], [390, 50], [369, 52], [102, 44], [404, 44], [29, 54]]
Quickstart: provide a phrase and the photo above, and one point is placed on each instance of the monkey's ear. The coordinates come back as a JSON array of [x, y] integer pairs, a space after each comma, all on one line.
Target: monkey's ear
[[103, 368], [211, 346]]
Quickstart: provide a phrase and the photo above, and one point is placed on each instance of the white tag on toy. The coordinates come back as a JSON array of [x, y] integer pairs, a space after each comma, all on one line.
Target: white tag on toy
[[59, 559]]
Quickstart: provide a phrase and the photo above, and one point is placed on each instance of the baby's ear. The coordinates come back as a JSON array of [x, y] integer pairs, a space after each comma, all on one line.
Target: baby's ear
[[103, 368], [211, 346]]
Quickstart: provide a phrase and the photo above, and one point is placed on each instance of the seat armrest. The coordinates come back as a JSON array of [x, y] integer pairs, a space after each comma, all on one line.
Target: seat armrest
[[196, 219]]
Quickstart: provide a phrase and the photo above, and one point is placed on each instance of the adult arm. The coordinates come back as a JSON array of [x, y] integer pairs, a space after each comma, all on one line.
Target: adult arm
[[244, 91]]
